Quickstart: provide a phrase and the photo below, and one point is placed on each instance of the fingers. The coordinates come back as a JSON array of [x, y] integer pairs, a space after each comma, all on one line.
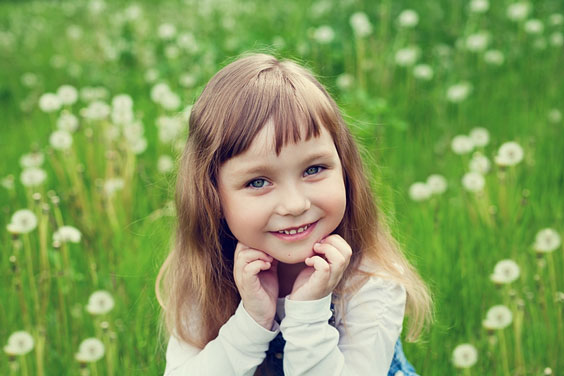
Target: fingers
[[255, 267]]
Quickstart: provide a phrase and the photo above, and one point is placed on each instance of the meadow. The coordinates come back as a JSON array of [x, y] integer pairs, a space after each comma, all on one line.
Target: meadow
[[457, 104]]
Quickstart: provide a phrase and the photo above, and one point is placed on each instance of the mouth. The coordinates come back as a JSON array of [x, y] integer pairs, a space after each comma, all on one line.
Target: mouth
[[295, 233]]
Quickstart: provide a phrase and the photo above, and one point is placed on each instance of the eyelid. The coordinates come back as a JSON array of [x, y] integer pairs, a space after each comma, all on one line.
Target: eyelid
[[248, 184]]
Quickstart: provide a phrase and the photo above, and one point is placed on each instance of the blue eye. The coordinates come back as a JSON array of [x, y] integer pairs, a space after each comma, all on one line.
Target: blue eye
[[313, 170], [257, 183]]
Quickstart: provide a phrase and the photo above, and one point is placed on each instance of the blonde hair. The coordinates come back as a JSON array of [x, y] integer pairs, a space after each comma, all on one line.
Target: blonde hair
[[196, 277]]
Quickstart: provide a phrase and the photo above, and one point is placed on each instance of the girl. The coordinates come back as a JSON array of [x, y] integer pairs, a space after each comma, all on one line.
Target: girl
[[282, 263]]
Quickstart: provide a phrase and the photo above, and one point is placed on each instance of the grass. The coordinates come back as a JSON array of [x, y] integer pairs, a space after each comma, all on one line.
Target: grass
[[404, 124]]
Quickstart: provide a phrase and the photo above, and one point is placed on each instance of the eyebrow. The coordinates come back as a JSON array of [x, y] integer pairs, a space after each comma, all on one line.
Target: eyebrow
[[266, 169]]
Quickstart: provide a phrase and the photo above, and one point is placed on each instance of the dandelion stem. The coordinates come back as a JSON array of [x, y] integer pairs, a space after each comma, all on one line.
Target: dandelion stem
[[29, 262], [503, 346]]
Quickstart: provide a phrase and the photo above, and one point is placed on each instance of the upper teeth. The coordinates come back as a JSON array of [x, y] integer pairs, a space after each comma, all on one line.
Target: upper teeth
[[293, 231]]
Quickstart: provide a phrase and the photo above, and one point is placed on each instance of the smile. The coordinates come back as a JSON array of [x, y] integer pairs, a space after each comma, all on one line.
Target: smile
[[295, 233]]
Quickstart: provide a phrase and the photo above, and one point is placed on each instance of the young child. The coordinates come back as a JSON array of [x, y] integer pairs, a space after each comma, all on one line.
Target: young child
[[282, 264]]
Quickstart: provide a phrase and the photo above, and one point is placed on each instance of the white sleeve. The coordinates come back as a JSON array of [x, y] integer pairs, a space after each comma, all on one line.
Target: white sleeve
[[238, 349], [364, 345]]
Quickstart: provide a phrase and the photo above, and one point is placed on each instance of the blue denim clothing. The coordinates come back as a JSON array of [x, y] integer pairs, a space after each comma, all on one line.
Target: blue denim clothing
[[275, 355]]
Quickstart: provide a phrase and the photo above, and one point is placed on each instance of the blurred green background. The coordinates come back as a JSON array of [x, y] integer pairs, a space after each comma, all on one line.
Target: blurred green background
[[94, 98]]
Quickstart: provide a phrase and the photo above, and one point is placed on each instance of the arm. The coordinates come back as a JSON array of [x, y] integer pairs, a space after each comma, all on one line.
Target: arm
[[238, 349], [364, 346]]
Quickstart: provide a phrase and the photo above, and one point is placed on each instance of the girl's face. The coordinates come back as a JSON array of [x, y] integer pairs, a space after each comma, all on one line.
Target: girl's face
[[283, 204]]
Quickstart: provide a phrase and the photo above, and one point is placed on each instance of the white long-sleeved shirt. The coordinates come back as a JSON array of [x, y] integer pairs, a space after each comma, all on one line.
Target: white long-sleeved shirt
[[361, 345]]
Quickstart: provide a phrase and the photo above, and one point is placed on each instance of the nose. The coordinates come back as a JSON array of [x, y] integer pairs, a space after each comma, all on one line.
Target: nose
[[292, 200]]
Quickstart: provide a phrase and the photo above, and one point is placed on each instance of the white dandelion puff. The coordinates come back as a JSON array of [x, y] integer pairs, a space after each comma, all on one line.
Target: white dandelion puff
[[100, 303], [33, 176], [556, 19], [67, 234], [49, 102], [509, 154], [473, 182], [419, 191], [464, 356], [437, 183], [480, 163], [534, 26], [165, 164], [23, 221], [67, 94], [19, 343], [479, 6], [408, 18], [324, 34], [112, 185], [555, 116], [345, 81], [166, 31], [406, 56], [96, 110], [187, 80], [518, 11], [34, 159], [360, 24], [462, 144], [557, 39], [505, 271], [8, 182], [60, 140], [90, 350], [122, 101], [499, 316], [67, 122], [494, 57], [547, 240], [458, 92], [478, 42], [480, 136], [423, 72]]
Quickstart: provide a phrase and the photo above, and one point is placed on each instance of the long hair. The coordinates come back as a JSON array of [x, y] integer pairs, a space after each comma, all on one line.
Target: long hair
[[195, 285]]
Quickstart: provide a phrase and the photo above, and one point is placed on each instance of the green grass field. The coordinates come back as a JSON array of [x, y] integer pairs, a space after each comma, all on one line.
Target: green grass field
[[409, 84]]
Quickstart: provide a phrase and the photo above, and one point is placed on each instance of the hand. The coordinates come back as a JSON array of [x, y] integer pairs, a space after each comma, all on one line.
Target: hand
[[256, 277], [322, 274]]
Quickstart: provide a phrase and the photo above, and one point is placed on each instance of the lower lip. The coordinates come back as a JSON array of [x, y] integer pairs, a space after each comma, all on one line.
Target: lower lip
[[297, 236]]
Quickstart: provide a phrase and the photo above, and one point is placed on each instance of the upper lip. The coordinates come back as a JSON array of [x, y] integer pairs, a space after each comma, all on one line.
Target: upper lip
[[295, 228]]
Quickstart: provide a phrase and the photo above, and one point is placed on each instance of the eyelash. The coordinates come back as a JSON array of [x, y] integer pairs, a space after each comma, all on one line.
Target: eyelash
[[319, 169]]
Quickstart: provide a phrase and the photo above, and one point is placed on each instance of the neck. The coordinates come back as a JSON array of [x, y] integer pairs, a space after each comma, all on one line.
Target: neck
[[287, 274]]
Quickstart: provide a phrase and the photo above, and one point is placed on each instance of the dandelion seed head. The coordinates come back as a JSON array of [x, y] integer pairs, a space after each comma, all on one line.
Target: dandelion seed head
[[91, 94], [499, 316], [60, 140], [494, 57], [165, 164], [33, 176], [67, 94], [534, 26], [324, 34], [360, 24], [34, 159], [423, 72], [509, 154], [473, 181], [67, 234], [480, 136], [464, 356], [187, 80], [166, 31], [556, 19], [547, 240], [407, 56], [437, 184], [100, 303], [67, 122], [557, 39], [554, 116], [459, 92], [477, 42], [90, 350], [19, 343], [479, 6], [505, 271], [96, 110], [23, 221], [408, 19], [113, 185], [518, 11], [480, 163], [7, 182], [419, 191], [29, 79], [462, 144], [49, 102]]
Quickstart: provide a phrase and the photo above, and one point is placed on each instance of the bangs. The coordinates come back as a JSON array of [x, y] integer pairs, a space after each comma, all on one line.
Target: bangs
[[296, 104]]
